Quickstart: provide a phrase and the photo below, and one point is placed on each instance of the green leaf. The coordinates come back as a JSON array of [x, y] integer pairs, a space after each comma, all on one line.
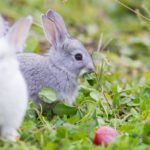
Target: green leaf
[[116, 99], [146, 133], [87, 88], [62, 109], [95, 95], [50, 146], [47, 95], [147, 77]]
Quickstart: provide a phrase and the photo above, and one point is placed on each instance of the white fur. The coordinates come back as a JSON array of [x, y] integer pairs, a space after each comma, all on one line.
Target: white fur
[[13, 92]]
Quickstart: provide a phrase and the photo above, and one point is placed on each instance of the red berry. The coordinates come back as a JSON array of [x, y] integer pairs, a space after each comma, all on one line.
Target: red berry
[[105, 135]]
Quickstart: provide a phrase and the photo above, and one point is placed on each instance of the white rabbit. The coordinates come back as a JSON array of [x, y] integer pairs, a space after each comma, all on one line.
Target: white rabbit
[[13, 90]]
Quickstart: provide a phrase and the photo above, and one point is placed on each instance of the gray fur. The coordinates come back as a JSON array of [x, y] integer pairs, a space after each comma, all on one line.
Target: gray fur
[[58, 70]]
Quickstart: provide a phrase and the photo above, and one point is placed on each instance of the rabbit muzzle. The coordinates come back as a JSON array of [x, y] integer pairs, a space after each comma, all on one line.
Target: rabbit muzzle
[[91, 68], [88, 69]]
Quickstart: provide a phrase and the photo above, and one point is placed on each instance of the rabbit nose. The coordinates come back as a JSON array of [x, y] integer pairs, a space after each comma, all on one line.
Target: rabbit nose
[[91, 68]]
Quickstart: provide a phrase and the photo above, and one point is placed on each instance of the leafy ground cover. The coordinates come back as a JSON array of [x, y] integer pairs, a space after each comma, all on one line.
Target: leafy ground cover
[[117, 94]]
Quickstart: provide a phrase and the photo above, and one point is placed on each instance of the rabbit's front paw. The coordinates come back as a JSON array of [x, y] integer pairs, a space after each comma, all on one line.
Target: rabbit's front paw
[[10, 134]]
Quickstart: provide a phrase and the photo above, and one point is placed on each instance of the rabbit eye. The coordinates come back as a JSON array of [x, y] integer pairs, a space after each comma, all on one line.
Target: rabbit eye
[[78, 56]]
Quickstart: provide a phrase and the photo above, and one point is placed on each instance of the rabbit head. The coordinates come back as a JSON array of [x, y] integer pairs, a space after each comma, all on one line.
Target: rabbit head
[[13, 41], [66, 52]]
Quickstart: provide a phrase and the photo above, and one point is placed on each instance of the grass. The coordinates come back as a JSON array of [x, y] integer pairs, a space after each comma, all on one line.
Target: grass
[[118, 94]]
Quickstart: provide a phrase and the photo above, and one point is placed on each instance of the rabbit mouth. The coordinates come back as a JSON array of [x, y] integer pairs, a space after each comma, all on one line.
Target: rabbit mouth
[[89, 69], [84, 71]]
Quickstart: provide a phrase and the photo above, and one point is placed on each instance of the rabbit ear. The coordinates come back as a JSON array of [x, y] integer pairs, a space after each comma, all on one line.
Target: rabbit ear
[[49, 30], [19, 32], [2, 26], [54, 27], [59, 22]]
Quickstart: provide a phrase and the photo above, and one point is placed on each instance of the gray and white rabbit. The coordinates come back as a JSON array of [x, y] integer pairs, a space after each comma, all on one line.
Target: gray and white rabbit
[[67, 59], [13, 89]]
